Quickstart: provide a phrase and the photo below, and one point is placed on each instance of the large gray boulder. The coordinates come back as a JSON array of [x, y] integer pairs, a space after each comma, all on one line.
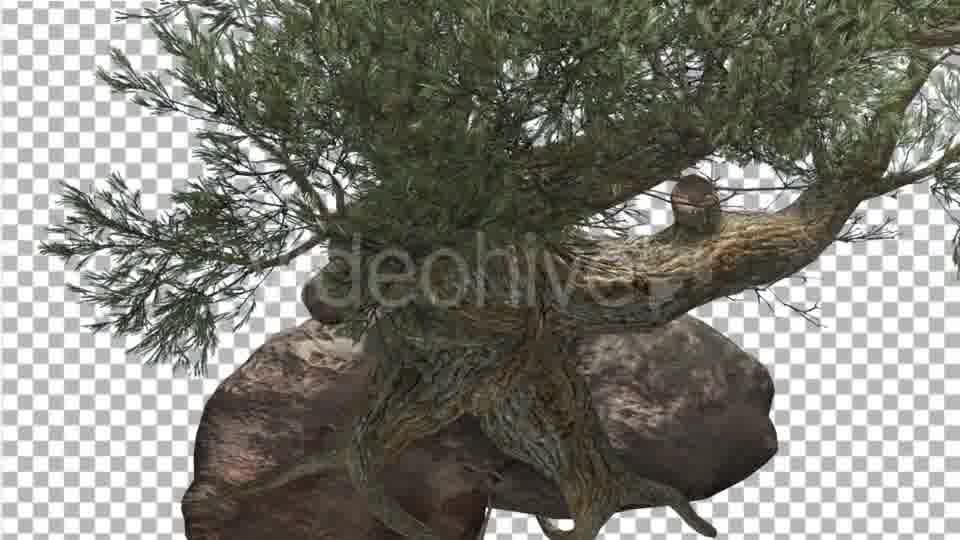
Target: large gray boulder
[[683, 404]]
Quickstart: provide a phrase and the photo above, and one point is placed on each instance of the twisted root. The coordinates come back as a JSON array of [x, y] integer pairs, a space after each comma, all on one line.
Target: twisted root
[[414, 392], [531, 402], [547, 419]]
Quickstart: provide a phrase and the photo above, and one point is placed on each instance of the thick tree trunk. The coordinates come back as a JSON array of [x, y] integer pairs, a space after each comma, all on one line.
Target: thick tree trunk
[[682, 404]]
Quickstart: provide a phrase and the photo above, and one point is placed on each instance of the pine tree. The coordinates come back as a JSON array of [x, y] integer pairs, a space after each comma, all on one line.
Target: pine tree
[[413, 137]]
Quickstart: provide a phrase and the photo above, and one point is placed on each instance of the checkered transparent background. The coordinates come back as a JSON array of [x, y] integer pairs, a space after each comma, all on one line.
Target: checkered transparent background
[[95, 445]]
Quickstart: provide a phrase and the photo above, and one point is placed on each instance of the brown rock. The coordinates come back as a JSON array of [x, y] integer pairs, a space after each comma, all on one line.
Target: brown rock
[[683, 403]]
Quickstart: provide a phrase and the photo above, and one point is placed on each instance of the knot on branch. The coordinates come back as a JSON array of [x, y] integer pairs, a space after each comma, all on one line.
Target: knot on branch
[[695, 204], [313, 297]]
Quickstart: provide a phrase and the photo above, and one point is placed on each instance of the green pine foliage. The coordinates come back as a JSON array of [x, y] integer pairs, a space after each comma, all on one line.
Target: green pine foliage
[[417, 123]]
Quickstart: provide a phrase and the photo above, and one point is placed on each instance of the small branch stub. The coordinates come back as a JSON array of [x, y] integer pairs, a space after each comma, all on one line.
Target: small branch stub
[[312, 297], [695, 204]]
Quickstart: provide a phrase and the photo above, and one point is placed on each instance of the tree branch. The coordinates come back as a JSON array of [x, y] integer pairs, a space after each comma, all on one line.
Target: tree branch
[[892, 182], [581, 178], [300, 179], [883, 130], [618, 284], [646, 282], [259, 265], [565, 183], [936, 38], [877, 232]]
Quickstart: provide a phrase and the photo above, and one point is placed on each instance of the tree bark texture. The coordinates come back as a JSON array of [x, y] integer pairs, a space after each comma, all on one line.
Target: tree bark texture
[[681, 404]]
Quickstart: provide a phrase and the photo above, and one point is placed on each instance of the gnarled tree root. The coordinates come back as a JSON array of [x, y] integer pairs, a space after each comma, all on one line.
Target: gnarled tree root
[[533, 403], [547, 419], [681, 404]]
